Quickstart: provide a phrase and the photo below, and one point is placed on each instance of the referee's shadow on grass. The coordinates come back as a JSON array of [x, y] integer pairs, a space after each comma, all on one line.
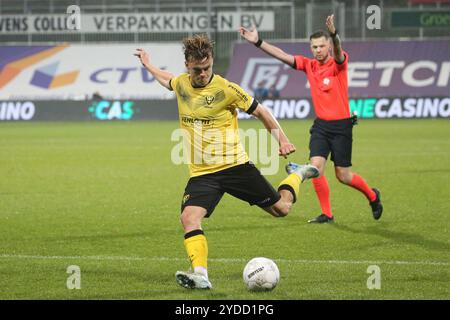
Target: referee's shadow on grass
[[398, 236]]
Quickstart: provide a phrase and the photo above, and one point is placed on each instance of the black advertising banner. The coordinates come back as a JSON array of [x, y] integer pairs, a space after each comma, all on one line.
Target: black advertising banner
[[135, 110]]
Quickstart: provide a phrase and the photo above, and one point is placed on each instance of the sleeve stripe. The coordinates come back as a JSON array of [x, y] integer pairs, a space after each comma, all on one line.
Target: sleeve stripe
[[252, 106], [170, 85]]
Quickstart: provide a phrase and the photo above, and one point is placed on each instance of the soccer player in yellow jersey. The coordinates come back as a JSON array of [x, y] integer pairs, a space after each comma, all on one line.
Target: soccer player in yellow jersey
[[207, 105]]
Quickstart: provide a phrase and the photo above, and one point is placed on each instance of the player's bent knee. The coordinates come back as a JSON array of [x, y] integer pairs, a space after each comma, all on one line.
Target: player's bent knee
[[281, 209], [282, 213]]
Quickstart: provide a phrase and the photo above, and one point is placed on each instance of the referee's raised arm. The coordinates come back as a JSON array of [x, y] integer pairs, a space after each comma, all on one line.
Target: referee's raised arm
[[253, 37], [337, 47]]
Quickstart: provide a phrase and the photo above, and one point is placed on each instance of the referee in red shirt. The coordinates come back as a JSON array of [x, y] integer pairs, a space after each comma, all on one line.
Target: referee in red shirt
[[332, 129]]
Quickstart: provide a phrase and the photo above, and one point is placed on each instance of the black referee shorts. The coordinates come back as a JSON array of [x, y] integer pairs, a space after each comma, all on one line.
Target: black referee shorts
[[333, 137], [243, 181]]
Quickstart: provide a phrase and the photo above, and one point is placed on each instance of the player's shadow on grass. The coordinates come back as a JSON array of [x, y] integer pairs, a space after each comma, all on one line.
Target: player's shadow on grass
[[170, 290], [398, 236], [159, 286], [174, 293]]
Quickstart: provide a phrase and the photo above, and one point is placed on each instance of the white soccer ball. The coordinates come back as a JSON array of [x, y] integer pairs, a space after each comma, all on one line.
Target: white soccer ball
[[261, 274]]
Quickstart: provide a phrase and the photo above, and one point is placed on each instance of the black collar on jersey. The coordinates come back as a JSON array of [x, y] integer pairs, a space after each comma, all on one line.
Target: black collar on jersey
[[212, 76]]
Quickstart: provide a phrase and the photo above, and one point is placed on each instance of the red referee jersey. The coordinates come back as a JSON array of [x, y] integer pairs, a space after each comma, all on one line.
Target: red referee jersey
[[329, 86]]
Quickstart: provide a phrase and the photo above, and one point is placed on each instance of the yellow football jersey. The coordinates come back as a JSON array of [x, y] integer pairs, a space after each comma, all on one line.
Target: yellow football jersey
[[208, 118]]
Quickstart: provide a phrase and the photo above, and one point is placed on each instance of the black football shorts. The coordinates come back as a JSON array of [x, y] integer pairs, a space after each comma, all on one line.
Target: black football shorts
[[243, 181], [333, 137]]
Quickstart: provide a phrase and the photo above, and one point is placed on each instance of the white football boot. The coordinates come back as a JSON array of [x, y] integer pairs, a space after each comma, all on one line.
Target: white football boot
[[306, 171], [192, 280]]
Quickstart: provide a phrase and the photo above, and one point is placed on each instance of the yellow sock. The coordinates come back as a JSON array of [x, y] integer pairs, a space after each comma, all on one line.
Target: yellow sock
[[291, 183], [197, 249]]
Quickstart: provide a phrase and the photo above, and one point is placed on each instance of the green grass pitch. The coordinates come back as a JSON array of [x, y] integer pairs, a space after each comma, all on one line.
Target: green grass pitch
[[106, 197]]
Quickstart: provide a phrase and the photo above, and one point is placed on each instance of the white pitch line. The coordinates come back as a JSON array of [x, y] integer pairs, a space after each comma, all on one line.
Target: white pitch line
[[224, 260]]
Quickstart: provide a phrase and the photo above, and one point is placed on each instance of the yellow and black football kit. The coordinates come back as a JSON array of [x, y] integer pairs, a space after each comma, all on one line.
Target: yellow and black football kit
[[218, 162], [208, 116]]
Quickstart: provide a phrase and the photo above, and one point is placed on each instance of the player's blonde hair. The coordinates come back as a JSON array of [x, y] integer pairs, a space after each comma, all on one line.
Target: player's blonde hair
[[198, 47]]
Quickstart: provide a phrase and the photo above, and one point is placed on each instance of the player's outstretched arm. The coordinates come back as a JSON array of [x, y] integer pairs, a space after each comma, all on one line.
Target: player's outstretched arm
[[253, 37], [337, 47], [272, 125], [163, 77]]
